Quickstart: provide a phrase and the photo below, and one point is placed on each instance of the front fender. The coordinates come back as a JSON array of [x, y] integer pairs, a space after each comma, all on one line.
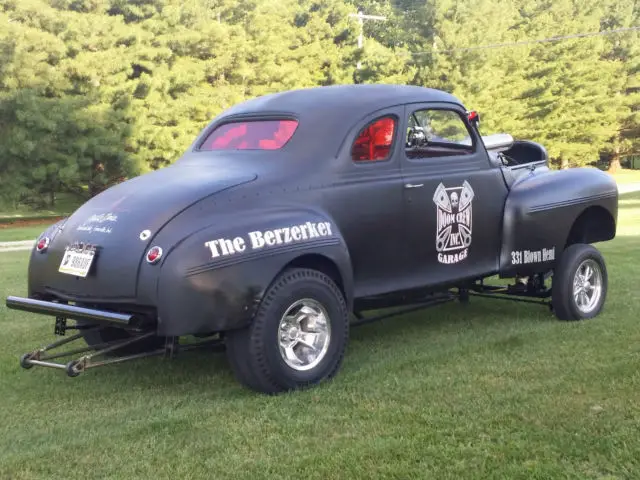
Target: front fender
[[213, 279], [540, 211]]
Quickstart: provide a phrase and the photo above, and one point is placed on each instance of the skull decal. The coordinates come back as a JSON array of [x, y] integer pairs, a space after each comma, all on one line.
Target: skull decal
[[454, 199]]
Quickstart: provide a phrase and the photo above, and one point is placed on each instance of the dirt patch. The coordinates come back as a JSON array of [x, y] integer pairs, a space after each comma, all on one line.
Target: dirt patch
[[28, 222]]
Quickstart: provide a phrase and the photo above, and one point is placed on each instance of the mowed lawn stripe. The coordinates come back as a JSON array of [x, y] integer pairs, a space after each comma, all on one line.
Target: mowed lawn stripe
[[486, 390]]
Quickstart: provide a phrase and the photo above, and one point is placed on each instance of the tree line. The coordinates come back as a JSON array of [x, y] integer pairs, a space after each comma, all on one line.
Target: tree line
[[96, 91]]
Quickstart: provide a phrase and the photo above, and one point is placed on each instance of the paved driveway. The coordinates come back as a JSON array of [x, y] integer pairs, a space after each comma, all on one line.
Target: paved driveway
[[628, 188], [16, 246]]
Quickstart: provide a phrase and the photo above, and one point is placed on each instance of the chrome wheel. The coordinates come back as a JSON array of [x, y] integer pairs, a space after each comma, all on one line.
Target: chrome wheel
[[587, 286], [303, 334]]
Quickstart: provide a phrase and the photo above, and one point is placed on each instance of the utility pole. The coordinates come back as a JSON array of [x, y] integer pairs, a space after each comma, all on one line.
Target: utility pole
[[361, 18]]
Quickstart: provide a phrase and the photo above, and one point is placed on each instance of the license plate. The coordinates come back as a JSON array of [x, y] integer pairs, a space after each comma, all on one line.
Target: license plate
[[77, 262]]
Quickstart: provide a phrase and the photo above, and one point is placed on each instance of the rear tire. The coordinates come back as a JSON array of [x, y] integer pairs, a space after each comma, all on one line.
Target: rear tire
[[302, 307], [580, 283]]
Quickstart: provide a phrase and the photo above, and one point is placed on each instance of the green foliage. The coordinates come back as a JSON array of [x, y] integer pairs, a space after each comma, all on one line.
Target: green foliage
[[94, 91], [572, 86], [65, 110], [573, 96]]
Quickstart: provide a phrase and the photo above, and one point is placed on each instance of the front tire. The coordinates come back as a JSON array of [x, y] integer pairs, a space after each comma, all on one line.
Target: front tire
[[580, 283], [297, 338]]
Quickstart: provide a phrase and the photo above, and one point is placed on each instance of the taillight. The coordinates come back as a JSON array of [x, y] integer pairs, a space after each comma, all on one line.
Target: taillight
[[154, 254], [42, 244]]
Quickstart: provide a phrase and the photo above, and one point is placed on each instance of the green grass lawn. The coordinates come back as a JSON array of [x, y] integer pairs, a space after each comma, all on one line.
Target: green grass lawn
[[627, 176], [32, 223], [65, 203], [485, 391], [12, 234]]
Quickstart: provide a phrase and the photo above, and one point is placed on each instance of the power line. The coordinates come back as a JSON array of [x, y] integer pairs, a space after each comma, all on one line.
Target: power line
[[527, 42], [361, 18]]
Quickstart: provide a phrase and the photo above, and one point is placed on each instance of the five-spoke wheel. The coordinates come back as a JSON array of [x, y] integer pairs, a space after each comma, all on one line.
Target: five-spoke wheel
[[579, 283], [304, 334], [297, 337], [587, 285]]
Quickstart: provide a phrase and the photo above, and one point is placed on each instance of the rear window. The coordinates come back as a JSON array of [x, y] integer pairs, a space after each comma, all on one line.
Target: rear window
[[251, 135]]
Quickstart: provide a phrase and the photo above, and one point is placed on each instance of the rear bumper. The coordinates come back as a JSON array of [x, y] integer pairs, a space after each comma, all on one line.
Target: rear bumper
[[69, 311]]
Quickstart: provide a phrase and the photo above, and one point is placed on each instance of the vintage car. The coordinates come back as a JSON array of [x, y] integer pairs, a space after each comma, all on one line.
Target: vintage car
[[293, 214]]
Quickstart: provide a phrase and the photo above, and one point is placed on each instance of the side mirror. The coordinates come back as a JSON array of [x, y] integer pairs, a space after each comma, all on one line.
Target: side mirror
[[474, 118]]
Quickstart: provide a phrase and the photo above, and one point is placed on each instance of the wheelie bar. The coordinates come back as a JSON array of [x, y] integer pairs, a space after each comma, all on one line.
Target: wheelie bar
[[75, 367]]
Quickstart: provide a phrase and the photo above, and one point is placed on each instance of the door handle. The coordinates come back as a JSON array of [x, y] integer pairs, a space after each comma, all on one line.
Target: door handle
[[413, 185]]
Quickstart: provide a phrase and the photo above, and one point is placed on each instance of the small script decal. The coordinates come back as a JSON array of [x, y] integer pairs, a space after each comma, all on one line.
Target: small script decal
[[103, 217], [258, 239], [521, 257], [89, 224]]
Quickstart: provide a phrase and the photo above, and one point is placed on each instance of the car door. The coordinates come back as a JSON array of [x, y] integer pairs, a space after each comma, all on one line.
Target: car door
[[453, 196], [366, 200]]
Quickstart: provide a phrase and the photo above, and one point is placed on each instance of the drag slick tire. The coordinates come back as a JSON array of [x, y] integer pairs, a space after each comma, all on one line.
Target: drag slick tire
[[580, 283], [95, 337], [298, 335]]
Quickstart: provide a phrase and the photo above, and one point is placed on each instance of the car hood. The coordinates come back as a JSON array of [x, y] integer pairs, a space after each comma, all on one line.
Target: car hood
[[123, 220]]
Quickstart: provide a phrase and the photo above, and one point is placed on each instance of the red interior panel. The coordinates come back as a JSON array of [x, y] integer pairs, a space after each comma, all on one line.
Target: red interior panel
[[251, 135], [374, 142]]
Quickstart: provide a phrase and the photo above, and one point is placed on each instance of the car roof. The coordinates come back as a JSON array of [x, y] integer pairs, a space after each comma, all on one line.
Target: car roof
[[360, 98], [327, 113]]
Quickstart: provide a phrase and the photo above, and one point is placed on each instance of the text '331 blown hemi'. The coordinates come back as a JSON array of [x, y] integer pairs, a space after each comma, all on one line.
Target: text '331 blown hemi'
[[294, 213]]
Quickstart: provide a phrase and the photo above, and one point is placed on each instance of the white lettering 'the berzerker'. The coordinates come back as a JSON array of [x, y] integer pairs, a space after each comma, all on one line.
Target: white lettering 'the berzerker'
[[224, 246], [262, 238]]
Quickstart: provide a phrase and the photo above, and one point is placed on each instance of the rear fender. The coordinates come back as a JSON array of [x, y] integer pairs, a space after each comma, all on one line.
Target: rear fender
[[215, 278], [37, 262], [541, 211]]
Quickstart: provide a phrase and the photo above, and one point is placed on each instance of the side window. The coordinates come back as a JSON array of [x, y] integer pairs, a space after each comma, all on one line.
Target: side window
[[374, 141], [437, 133]]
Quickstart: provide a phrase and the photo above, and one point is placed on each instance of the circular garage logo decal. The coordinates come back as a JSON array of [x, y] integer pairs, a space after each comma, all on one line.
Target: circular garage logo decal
[[454, 215]]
